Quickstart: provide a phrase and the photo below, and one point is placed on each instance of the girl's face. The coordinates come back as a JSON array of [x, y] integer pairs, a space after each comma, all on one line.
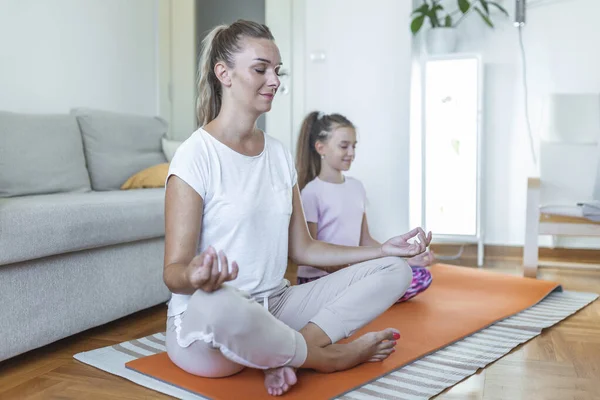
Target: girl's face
[[254, 79], [339, 150]]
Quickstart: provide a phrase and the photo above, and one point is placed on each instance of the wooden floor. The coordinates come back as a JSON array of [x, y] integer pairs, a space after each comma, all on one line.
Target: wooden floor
[[562, 363]]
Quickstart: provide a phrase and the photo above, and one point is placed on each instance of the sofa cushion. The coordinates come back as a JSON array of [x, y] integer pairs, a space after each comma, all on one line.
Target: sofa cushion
[[41, 154], [36, 226], [119, 145], [169, 147]]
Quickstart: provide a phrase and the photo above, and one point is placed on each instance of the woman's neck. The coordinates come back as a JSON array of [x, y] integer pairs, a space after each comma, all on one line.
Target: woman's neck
[[233, 126], [330, 175], [237, 131]]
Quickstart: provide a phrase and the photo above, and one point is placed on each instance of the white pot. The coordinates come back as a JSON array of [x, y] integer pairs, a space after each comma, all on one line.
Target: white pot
[[441, 40]]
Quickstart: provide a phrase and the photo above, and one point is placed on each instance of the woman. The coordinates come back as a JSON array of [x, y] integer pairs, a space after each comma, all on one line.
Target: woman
[[232, 197]]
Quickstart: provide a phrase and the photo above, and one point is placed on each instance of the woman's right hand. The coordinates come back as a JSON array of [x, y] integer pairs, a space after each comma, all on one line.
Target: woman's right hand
[[203, 271], [401, 247]]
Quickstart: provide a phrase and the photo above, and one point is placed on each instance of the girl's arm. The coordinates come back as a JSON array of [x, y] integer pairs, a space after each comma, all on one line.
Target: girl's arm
[[304, 250], [365, 237]]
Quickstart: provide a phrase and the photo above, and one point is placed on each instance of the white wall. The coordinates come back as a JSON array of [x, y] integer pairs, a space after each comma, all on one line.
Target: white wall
[[563, 56], [366, 76], [182, 76], [60, 54], [164, 39]]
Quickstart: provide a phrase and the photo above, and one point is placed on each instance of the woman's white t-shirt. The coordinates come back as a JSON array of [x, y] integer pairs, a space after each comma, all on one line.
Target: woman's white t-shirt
[[247, 208]]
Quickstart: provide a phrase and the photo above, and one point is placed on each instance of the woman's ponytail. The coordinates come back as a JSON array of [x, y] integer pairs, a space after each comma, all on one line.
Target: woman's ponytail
[[208, 102]]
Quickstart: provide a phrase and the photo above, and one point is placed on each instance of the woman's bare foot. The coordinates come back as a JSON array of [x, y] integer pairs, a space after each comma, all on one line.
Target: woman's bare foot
[[376, 346], [371, 347], [279, 380]]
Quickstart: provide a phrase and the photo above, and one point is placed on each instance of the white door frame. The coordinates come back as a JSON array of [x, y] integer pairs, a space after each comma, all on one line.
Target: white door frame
[[176, 68], [286, 19]]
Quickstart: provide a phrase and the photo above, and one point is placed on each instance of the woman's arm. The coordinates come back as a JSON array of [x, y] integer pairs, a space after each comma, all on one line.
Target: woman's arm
[[312, 229], [420, 260], [183, 219], [184, 272], [365, 236], [304, 250]]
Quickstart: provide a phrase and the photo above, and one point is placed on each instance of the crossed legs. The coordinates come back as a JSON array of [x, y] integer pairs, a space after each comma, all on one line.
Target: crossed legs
[[222, 332]]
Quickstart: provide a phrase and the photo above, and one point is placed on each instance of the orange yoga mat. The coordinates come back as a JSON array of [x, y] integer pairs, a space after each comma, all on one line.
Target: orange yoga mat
[[459, 302]]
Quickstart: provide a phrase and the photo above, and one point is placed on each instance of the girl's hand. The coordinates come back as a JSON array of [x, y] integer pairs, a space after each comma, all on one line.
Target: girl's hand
[[203, 271], [400, 247]]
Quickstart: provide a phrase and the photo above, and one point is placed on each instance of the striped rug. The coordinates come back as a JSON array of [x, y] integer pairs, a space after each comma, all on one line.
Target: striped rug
[[421, 379]]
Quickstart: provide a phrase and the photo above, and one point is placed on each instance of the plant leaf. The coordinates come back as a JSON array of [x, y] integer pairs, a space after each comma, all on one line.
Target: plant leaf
[[485, 17], [421, 10], [448, 21], [499, 7], [417, 23], [432, 14], [464, 5], [484, 4]]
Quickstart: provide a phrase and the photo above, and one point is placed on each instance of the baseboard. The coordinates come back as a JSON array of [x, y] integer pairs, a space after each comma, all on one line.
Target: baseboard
[[576, 258], [515, 253]]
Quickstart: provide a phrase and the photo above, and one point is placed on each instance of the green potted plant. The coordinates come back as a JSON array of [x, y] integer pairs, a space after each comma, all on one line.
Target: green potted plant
[[441, 37]]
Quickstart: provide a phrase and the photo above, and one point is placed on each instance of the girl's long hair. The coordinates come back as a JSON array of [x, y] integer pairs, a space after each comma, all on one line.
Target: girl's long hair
[[315, 127]]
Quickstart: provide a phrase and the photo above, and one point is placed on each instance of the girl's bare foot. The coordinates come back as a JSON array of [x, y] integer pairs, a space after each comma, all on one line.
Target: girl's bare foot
[[279, 380]]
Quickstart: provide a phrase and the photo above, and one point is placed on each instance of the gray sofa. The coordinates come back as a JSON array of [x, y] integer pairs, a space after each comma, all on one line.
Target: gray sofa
[[75, 250]]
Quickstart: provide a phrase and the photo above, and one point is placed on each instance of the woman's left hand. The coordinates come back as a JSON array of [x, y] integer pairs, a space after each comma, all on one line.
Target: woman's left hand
[[400, 247]]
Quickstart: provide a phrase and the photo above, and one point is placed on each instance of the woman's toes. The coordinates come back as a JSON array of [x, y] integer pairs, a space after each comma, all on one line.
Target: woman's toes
[[387, 334], [389, 344]]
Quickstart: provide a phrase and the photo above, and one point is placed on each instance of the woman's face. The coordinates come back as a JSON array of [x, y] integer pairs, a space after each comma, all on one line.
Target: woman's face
[[255, 75]]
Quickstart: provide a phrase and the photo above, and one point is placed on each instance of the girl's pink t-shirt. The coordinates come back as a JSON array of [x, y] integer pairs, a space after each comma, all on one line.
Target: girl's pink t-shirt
[[337, 209]]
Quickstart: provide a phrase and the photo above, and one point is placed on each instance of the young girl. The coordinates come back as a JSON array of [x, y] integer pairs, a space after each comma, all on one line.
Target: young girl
[[334, 204]]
